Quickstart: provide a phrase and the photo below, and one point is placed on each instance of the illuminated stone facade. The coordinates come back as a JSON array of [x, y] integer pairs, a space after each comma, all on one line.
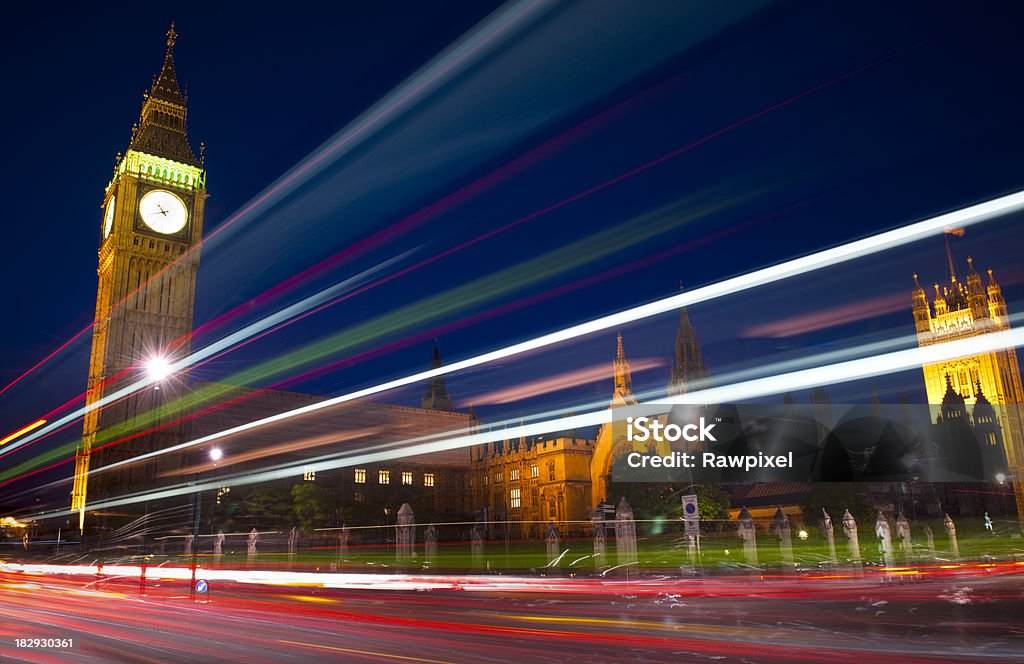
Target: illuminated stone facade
[[960, 310], [145, 299], [565, 476]]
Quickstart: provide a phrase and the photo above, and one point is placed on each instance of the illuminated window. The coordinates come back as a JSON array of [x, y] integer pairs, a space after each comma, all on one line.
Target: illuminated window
[[221, 492], [406, 477], [383, 477], [513, 474], [360, 476], [514, 499], [499, 477], [309, 474], [534, 471], [428, 479], [486, 478]]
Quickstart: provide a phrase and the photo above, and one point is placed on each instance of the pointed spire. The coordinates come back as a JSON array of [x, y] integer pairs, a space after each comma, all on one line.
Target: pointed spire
[[953, 404], [436, 397], [981, 398], [166, 86], [949, 257], [623, 376], [688, 367], [162, 126], [435, 358]]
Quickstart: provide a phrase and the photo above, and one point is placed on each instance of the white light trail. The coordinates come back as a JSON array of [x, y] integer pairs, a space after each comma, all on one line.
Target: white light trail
[[827, 258], [832, 374], [159, 369]]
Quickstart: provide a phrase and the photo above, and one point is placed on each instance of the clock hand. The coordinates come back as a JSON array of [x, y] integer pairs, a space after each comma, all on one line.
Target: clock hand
[[162, 210]]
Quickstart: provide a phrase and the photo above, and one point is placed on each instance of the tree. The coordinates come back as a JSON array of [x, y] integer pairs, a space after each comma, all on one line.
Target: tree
[[266, 507], [662, 502], [313, 505], [835, 497]]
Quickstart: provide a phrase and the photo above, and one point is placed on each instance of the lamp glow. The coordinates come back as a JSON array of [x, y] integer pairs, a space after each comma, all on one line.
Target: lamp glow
[[158, 368]]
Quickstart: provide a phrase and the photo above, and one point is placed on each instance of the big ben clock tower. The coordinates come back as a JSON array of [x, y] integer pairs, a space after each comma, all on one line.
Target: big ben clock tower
[[150, 230]]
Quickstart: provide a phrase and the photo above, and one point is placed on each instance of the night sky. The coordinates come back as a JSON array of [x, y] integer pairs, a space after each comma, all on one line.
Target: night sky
[[810, 123]]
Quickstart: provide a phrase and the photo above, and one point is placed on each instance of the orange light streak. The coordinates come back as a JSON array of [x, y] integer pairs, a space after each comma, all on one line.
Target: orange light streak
[[22, 431]]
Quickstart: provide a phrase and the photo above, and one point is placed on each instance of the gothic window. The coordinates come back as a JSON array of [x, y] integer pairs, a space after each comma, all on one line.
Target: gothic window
[[383, 477], [309, 474], [360, 476], [551, 471], [534, 471], [513, 474], [514, 500], [428, 479], [407, 477]]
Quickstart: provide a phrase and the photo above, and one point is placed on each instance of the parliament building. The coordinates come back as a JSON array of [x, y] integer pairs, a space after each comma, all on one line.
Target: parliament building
[[150, 233]]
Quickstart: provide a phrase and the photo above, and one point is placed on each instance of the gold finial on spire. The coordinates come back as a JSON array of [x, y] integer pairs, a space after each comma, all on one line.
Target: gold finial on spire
[[172, 36]]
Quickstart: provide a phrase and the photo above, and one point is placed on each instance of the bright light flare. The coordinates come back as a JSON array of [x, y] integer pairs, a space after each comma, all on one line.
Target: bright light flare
[[216, 454], [158, 368]]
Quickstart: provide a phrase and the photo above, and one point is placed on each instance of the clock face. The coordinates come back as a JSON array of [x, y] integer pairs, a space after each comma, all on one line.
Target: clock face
[[163, 212], [108, 219]]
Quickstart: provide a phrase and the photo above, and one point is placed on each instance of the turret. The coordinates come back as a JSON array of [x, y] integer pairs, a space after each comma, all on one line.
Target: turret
[[996, 302], [922, 312], [976, 298]]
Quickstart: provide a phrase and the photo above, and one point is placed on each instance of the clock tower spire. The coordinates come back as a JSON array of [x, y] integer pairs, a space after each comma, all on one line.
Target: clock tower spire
[[150, 232]]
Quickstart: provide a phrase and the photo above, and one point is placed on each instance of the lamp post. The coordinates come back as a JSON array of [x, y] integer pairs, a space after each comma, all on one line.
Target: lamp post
[[215, 455]]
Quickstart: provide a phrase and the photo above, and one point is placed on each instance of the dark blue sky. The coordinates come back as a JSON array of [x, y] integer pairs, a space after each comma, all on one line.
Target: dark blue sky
[[920, 115]]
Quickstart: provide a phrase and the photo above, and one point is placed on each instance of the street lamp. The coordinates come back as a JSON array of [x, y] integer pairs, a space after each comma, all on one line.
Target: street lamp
[[215, 455]]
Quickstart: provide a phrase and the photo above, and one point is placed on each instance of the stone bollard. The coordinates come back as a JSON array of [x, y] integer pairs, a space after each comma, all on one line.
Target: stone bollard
[[254, 537], [884, 535], [781, 529], [625, 534], [551, 537], [600, 542], [747, 532], [929, 538], [954, 546], [218, 545], [405, 533], [850, 530], [477, 545], [343, 543], [430, 544], [903, 533], [830, 536]]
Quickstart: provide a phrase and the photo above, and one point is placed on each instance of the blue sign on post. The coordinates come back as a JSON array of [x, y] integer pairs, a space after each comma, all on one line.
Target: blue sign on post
[[691, 515], [201, 586]]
